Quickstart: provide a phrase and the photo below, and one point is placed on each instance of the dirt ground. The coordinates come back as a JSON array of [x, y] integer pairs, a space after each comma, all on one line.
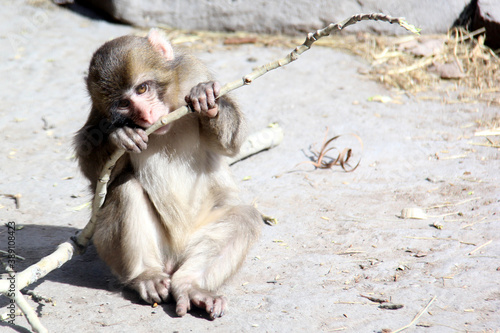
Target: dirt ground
[[338, 235]]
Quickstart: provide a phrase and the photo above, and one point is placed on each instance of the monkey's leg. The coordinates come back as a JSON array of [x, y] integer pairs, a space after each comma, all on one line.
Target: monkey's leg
[[214, 253], [127, 238]]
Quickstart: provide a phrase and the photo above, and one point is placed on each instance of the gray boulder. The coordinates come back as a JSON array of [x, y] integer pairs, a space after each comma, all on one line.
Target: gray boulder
[[287, 17]]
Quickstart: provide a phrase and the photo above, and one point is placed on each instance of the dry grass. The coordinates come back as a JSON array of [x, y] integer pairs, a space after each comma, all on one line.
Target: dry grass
[[457, 64]]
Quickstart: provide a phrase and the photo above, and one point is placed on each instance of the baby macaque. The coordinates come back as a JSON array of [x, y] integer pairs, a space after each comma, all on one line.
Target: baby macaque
[[172, 222]]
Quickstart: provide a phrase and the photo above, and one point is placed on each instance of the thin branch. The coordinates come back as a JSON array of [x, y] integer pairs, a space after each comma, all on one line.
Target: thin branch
[[6, 254], [30, 314], [310, 39], [21, 302], [480, 247]]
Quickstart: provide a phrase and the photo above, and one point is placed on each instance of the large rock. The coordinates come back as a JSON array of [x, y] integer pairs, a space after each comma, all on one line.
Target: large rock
[[288, 17]]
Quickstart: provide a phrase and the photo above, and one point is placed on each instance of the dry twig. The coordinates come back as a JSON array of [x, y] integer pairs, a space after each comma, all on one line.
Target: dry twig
[[416, 317], [480, 247], [15, 197], [375, 299], [342, 159]]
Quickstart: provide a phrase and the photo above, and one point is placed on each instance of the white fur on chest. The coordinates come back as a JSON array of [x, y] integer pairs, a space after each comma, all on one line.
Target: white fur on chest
[[183, 179]]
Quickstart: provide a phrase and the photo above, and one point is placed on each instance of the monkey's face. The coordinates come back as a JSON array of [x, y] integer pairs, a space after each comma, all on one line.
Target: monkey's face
[[139, 104], [142, 105], [124, 84]]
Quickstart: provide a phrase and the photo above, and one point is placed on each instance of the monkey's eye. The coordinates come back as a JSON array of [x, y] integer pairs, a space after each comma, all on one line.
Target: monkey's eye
[[142, 88], [123, 103]]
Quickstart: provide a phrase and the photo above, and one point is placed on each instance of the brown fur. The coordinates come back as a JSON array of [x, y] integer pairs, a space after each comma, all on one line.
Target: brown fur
[[172, 222]]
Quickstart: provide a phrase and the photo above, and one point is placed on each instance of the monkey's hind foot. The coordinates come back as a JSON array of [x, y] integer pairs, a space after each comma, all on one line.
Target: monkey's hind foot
[[214, 305], [153, 287]]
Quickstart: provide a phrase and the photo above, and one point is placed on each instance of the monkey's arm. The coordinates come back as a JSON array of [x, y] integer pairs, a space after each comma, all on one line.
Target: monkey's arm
[[225, 132], [93, 150], [221, 121]]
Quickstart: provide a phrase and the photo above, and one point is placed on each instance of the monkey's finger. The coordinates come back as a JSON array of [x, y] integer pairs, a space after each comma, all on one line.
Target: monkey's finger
[[162, 287], [193, 102], [202, 101], [216, 87], [206, 301], [153, 296], [214, 305], [212, 112], [141, 144], [137, 141], [122, 139], [131, 146], [183, 304], [211, 98], [142, 134], [147, 292], [141, 289]]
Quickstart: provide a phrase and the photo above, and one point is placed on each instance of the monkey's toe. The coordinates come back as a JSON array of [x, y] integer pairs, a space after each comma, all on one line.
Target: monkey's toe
[[162, 287], [214, 305], [219, 306], [183, 305], [153, 290]]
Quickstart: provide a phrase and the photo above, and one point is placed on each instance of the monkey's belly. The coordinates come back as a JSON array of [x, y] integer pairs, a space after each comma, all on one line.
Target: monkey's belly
[[184, 193]]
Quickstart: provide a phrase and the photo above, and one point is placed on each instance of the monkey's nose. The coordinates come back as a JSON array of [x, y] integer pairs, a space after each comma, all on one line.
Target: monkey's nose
[[148, 117]]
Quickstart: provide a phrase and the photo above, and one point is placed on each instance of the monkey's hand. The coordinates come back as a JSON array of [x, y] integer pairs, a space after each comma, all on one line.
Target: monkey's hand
[[131, 139], [202, 98]]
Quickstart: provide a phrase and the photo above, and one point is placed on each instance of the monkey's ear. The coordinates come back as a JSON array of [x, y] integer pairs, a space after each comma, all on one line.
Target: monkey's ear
[[160, 43]]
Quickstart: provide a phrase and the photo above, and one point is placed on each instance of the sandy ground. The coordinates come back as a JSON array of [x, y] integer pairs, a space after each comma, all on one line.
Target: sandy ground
[[338, 235]]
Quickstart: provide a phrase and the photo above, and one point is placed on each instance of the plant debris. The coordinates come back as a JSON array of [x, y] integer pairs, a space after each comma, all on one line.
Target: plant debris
[[375, 299], [321, 160], [16, 197], [480, 247], [391, 306], [437, 225], [269, 220], [420, 64]]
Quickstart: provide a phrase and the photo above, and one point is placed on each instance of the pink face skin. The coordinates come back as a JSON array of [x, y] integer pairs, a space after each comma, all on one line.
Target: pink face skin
[[143, 106]]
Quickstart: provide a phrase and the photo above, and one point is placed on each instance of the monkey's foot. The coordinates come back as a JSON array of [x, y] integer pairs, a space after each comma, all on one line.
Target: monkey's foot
[[214, 305], [153, 287]]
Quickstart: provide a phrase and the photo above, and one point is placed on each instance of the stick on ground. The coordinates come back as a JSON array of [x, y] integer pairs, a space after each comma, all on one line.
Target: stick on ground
[[417, 316]]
